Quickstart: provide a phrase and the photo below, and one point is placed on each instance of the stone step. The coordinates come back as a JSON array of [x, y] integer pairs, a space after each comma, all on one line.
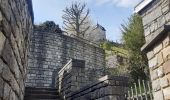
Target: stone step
[[32, 93]]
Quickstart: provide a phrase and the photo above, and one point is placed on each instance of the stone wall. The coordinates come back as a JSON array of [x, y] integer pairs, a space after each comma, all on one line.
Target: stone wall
[[16, 19], [71, 84], [71, 78], [106, 88], [49, 52], [156, 21]]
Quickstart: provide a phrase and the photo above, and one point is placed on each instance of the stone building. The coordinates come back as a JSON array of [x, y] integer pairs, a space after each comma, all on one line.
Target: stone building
[[156, 22], [97, 34]]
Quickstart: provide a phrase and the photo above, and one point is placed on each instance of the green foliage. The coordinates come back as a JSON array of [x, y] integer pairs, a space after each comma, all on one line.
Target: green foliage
[[115, 49], [48, 26], [112, 48], [133, 39]]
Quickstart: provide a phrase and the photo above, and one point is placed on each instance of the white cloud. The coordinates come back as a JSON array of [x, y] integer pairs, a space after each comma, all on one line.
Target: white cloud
[[126, 3], [119, 3]]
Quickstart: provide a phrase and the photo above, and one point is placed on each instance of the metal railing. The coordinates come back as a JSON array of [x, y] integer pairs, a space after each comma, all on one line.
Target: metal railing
[[140, 91]]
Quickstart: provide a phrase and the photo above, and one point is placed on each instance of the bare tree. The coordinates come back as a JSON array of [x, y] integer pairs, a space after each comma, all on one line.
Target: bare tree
[[75, 19]]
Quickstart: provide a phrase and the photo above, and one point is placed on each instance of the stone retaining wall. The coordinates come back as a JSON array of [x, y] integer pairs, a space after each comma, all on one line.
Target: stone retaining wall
[[71, 77], [72, 85], [156, 22], [16, 24], [106, 88], [49, 52]]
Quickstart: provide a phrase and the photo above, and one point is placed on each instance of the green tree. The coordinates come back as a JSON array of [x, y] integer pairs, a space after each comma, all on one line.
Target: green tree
[[133, 40]]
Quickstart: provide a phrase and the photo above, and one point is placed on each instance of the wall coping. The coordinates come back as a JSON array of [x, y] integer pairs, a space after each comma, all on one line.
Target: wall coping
[[75, 63], [142, 5], [106, 79], [157, 36]]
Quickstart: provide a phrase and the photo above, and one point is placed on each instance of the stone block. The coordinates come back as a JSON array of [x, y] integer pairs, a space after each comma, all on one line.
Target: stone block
[[166, 53], [160, 58], [166, 41], [161, 21], [150, 55], [165, 9], [166, 67], [154, 75], [6, 93], [2, 41], [157, 48], [1, 87], [153, 62], [156, 85], [153, 26], [147, 31], [167, 17], [164, 82], [168, 77], [158, 95], [160, 71], [166, 93]]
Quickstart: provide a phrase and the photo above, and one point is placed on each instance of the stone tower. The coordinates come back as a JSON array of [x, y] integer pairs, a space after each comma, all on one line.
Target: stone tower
[[97, 34]]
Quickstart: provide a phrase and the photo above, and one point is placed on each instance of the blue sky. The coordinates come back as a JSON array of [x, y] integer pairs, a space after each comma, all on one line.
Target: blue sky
[[109, 13]]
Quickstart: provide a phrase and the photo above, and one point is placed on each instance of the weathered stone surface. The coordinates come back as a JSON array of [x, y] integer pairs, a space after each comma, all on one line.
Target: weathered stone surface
[[157, 48], [6, 93], [160, 71], [150, 54], [158, 95], [160, 58], [154, 75], [166, 53], [153, 62], [147, 31], [157, 13], [166, 67], [2, 38], [166, 93], [51, 51], [1, 87], [164, 82], [168, 76], [166, 41], [15, 22], [156, 85]]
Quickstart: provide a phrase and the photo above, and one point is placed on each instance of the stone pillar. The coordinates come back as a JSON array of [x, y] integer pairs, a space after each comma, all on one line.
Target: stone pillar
[[16, 24], [71, 78], [156, 22]]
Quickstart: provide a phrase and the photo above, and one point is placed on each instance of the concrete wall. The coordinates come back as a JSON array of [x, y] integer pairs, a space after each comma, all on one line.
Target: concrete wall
[[16, 19], [156, 21], [49, 52]]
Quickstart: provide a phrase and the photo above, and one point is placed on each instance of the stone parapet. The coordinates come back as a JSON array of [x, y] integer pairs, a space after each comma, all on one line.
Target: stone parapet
[[105, 88], [71, 77]]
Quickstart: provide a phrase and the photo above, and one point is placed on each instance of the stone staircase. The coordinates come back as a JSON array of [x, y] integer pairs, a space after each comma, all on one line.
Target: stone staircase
[[41, 94]]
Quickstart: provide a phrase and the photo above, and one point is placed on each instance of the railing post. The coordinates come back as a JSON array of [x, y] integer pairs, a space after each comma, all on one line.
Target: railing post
[[144, 90], [132, 94], [150, 94], [136, 91], [140, 90]]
